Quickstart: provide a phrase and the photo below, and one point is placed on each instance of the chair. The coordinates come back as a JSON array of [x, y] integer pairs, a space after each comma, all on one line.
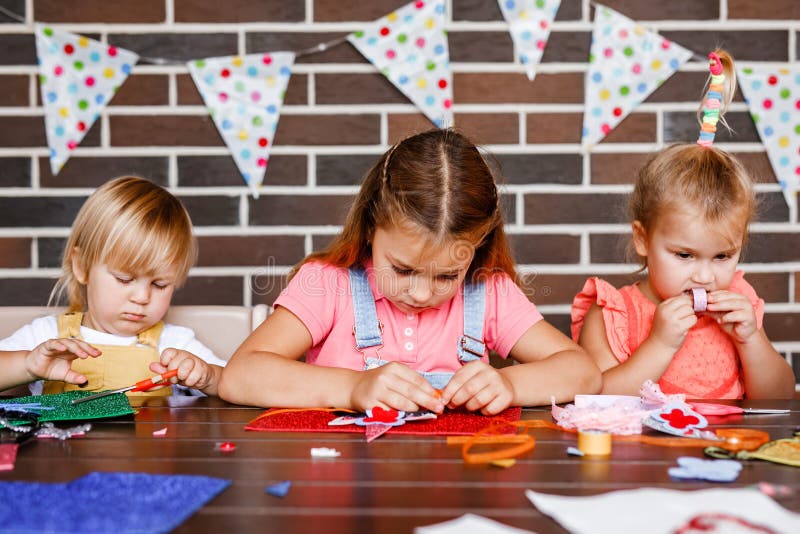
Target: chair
[[220, 328]]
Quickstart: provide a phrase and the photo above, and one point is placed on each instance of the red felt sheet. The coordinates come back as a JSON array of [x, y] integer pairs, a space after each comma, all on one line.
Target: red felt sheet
[[450, 423]]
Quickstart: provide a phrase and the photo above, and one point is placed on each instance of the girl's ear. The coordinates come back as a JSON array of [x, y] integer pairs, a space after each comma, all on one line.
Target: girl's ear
[[77, 266], [639, 239]]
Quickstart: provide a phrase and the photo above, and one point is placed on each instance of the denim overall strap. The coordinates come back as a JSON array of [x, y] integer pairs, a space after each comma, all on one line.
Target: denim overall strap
[[367, 327], [470, 345]]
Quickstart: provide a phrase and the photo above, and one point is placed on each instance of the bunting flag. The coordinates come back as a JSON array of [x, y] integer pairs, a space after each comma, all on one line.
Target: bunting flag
[[530, 22], [409, 46], [78, 76], [244, 95], [626, 64], [773, 97]]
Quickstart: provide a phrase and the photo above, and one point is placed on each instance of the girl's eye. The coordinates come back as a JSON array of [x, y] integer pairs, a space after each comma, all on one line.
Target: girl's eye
[[683, 255], [722, 256], [123, 280], [402, 272], [448, 277], [160, 285]]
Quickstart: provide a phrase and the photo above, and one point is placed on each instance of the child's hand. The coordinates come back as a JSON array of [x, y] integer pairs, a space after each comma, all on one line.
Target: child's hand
[[478, 386], [52, 360], [734, 313], [396, 386], [192, 371], [672, 321]]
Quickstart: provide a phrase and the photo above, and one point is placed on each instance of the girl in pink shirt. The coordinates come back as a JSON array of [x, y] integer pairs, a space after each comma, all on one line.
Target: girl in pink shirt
[[401, 309], [691, 208]]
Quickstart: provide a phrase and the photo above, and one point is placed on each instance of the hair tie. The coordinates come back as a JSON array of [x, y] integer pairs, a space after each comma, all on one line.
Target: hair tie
[[713, 102]]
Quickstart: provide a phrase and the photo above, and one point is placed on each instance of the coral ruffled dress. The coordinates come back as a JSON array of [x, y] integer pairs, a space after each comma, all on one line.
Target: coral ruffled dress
[[707, 364]]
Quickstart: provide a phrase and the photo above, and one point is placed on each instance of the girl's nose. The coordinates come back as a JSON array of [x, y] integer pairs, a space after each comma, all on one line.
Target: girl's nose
[[703, 274], [419, 290], [141, 293]]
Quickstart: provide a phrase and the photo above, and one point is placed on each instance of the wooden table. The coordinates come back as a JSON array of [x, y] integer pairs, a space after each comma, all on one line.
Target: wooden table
[[390, 485]]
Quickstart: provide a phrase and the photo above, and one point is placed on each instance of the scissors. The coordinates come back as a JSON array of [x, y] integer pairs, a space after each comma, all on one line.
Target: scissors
[[704, 408], [142, 385]]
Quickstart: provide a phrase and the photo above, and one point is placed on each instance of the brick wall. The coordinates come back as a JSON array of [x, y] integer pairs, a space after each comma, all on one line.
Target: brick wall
[[565, 210]]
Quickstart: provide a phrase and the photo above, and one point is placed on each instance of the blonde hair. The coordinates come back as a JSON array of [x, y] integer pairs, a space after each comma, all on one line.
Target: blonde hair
[[706, 178], [132, 224]]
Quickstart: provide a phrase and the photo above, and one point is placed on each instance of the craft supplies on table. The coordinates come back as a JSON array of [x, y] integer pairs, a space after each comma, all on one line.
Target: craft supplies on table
[[594, 442]]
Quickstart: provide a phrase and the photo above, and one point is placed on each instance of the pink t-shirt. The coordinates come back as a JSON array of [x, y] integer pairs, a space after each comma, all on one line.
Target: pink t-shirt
[[319, 295], [707, 364]]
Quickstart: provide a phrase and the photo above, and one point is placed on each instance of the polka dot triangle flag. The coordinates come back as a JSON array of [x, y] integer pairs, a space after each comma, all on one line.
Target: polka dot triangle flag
[[626, 64], [530, 22], [409, 46], [78, 76], [773, 97], [244, 95]]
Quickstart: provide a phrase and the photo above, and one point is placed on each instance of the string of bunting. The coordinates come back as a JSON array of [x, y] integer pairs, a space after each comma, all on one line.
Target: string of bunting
[[244, 94]]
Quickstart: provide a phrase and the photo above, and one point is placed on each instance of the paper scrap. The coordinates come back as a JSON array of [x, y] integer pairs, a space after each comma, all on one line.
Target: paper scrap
[[634, 510], [324, 452], [472, 523], [280, 489]]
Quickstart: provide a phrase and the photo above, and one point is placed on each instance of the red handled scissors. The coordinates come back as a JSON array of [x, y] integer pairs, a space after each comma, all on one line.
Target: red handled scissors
[[704, 408], [142, 385]]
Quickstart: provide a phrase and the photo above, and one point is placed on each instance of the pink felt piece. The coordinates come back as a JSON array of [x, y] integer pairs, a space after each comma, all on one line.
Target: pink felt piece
[[8, 455]]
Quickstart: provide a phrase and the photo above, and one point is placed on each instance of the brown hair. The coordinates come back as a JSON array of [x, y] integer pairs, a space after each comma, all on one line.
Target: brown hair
[[706, 178], [439, 182], [129, 223]]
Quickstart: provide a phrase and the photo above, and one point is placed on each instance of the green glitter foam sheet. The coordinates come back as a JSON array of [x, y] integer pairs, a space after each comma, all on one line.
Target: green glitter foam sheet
[[109, 406]]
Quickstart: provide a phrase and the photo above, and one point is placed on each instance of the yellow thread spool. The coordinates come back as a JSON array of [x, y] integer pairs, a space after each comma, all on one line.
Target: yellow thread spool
[[594, 442]]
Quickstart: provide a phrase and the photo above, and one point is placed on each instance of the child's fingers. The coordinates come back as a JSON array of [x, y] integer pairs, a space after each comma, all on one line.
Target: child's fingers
[[498, 404], [464, 385], [196, 375], [79, 348], [398, 401], [480, 399], [401, 388], [418, 392], [74, 378], [727, 300], [158, 368], [168, 355]]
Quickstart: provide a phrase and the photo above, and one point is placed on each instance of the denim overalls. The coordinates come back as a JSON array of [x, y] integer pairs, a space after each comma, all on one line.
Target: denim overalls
[[367, 328]]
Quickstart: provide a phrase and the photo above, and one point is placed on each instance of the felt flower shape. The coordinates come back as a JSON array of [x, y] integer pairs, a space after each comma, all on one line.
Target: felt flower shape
[[680, 420], [714, 470], [379, 416]]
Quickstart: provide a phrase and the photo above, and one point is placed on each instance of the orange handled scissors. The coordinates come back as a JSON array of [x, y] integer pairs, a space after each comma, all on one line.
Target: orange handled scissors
[[142, 385], [704, 408]]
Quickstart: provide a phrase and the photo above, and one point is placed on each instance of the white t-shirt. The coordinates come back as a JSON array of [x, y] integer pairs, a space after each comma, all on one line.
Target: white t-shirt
[[40, 330]]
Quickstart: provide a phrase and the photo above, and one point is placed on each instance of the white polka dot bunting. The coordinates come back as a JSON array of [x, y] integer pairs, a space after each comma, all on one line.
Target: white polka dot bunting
[[773, 96], [78, 76], [409, 46], [530, 22], [244, 95], [626, 64]]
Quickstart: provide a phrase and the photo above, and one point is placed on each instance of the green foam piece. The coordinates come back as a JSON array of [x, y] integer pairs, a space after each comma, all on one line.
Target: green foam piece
[[109, 406]]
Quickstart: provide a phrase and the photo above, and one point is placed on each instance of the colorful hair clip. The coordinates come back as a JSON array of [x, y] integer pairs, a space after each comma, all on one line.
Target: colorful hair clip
[[712, 102]]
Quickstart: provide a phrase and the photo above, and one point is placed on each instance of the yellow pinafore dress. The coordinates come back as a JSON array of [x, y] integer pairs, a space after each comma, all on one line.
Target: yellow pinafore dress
[[119, 366]]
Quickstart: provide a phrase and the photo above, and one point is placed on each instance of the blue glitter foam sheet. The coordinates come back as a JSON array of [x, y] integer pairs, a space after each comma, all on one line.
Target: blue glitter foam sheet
[[123, 503]]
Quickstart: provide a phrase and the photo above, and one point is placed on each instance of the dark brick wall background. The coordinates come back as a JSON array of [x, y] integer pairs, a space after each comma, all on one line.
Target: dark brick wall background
[[564, 209]]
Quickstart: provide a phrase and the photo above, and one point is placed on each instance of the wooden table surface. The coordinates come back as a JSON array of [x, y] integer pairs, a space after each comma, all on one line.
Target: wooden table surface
[[390, 485]]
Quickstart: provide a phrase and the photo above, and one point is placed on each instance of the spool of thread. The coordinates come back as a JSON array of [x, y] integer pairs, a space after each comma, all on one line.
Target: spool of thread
[[594, 442], [699, 299]]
